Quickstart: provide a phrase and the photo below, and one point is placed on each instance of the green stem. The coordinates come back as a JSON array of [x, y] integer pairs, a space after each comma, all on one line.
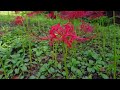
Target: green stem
[[53, 56], [23, 47], [3, 68], [56, 45], [74, 49], [115, 60], [30, 52], [65, 57], [103, 40]]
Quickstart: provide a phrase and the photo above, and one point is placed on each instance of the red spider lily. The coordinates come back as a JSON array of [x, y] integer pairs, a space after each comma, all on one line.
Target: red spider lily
[[72, 14], [19, 20], [56, 33], [96, 14], [64, 33], [85, 27], [69, 34], [59, 33], [81, 14], [31, 14], [51, 15]]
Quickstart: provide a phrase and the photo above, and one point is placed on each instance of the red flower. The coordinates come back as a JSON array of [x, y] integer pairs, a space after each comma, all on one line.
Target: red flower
[[72, 14], [69, 34], [19, 20], [81, 14], [56, 33], [96, 14], [85, 27], [64, 33], [51, 15], [31, 14]]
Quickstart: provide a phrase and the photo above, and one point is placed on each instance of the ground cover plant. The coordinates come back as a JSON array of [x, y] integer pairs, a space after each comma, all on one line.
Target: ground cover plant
[[59, 45]]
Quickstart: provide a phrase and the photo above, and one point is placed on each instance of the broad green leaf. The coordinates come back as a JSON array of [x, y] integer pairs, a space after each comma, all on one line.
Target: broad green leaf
[[16, 71], [91, 62], [59, 66], [89, 69], [32, 77], [64, 73], [42, 77], [104, 76], [73, 69], [51, 70], [24, 68], [79, 73], [10, 72], [21, 77]]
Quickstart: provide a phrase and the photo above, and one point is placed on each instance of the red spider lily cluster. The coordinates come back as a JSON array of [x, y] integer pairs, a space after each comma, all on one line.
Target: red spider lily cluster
[[34, 13], [63, 33], [86, 27], [19, 20], [72, 14], [69, 14], [96, 14], [81, 14]]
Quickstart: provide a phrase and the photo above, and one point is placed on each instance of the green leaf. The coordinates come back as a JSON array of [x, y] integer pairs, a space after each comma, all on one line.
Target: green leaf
[[18, 63], [45, 48], [90, 76], [26, 60], [59, 66], [91, 62], [24, 68], [94, 55], [85, 77], [51, 70], [16, 71], [10, 72], [73, 61], [32, 77], [38, 74], [104, 76], [64, 73], [58, 74], [21, 77], [42, 69], [1, 76], [42, 77], [38, 53], [89, 69], [79, 72], [83, 63], [93, 70], [73, 69]]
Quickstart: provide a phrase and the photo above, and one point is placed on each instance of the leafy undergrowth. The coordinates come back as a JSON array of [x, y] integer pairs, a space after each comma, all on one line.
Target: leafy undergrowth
[[93, 59]]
